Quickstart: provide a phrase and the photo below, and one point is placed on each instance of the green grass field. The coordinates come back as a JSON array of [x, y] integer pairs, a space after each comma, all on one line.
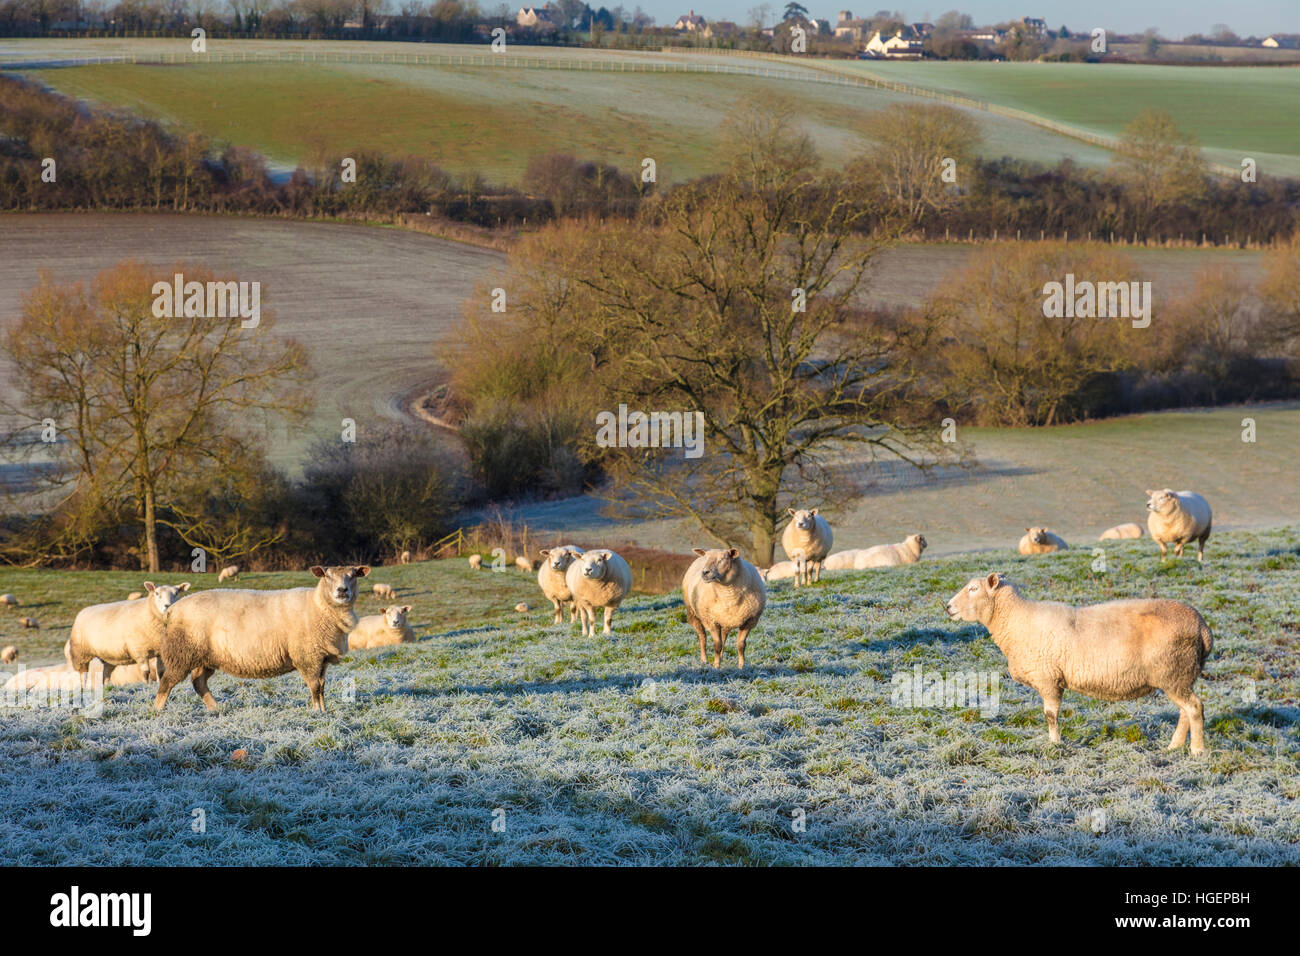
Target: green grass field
[[628, 751]]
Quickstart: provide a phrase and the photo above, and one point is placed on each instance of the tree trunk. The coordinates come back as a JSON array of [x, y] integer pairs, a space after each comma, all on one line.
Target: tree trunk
[[150, 530], [764, 534]]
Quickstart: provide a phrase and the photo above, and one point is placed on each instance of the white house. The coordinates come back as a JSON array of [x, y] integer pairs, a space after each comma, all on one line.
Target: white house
[[903, 45], [1278, 41], [530, 16], [690, 23]]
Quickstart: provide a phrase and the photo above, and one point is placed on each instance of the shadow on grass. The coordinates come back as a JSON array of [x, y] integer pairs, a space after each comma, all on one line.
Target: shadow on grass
[[922, 635]]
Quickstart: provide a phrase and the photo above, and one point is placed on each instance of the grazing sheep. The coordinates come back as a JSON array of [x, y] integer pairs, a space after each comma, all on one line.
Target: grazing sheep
[[1120, 531], [384, 591], [907, 551], [9, 655], [8, 600], [779, 571], [1120, 650], [261, 633], [135, 595], [230, 573], [598, 579], [1041, 541], [406, 557], [123, 632], [807, 541], [383, 629], [723, 592], [476, 561], [521, 607], [552, 580], [1177, 518], [523, 563], [28, 622]]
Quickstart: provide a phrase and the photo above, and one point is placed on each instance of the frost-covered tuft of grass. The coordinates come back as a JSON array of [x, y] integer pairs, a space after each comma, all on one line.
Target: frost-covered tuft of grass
[[516, 741]]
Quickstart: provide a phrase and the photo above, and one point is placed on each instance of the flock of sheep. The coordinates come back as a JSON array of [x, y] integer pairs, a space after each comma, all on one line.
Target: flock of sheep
[[1114, 651]]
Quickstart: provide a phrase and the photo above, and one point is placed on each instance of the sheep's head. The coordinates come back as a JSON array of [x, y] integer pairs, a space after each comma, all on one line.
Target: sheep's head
[[1161, 502], [720, 567], [339, 584], [918, 541], [163, 596], [1038, 535], [395, 616], [803, 520], [975, 601], [560, 558], [594, 564]]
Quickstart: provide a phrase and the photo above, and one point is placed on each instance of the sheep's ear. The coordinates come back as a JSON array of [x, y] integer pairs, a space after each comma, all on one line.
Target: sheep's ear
[[149, 586], [406, 608], [545, 552], [734, 553], [993, 580], [1150, 492], [700, 551], [814, 511], [317, 570], [361, 571], [790, 512], [183, 586], [383, 610]]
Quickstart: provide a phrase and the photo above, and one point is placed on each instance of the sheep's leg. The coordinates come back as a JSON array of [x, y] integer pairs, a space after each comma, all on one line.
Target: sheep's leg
[[609, 614], [1164, 551], [573, 612], [1180, 732], [817, 570], [741, 634], [1200, 546], [314, 678], [200, 681], [1178, 549], [1052, 707], [559, 612], [719, 637], [170, 677], [1194, 715], [699, 630]]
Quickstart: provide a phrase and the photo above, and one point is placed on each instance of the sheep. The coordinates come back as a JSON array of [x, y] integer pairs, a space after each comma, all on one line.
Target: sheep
[[1176, 518], [597, 579], [380, 630], [1120, 650], [229, 573], [406, 557], [1121, 531], [723, 592], [384, 591], [56, 677], [8, 600], [28, 622], [476, 561], [1041, 541], [9, 655], [521, 607], [551, 579], [135, 595], [261, 633], [123, 632], [523, 563], [840, 560], [807, 541], [907, 551], [779, 571]]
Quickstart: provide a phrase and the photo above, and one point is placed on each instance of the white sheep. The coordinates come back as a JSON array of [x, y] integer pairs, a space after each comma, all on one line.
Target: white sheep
[[551, 579], [9, 655], [28, 622], [723, 592], [1041, 541], [135, 595], [779, 571], [476, 561], [383, 629], [1120, 650], [598, 579], [123, 632], [807, 541], [8, 600], [907, 551], [1177, 518], [839, 561], [230, 573], [384, 591], [1121, 531], [261, 633], [523, 563], [406, 557], [521, 607]]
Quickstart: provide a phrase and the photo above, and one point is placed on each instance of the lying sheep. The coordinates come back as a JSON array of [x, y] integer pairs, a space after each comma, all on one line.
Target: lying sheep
[[476, 561], [907, 551], [779, 571], [56, 677], [597, 579], [383, 629], [28, 622], [1121, 531], [406, 557], [551, 578], [261, 634], [1177, 518], [839, 561], [1041, 541], [384, 591], [521, 607], [723, 592], [807, 541], [123, 632], [523, 563], [8, 600], [228, 573], [9, 655], [135, 595], [1120, 650]]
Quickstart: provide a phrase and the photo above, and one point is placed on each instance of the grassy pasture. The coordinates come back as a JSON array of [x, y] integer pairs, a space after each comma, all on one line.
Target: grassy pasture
[[628, 751]]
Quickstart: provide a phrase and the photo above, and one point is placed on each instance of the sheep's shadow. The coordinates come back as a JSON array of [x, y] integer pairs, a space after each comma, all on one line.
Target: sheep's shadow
[[914, 636], [1277, 717]]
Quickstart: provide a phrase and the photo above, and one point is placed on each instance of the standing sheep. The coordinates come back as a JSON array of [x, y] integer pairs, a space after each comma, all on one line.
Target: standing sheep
[[723, 592], [261, 634], [384, 591], [230, 573], [1177, 518], [1041, 541], [1120, 650], [476, 561], [1121, 531], [9, 655], [383, 629], [597, 579], [523, 563], [8, 600], [29, 622], [807, 541], [551, 578], [907, 551], [123, 632], [406, 557]]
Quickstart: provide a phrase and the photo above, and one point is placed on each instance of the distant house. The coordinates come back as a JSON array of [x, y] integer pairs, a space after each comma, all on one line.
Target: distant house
[[906, 44], [987, 37], [849, 28], [922, 30], [531, 16], [690, 23], [1279, 41], [721, 29], [1035, 25]]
